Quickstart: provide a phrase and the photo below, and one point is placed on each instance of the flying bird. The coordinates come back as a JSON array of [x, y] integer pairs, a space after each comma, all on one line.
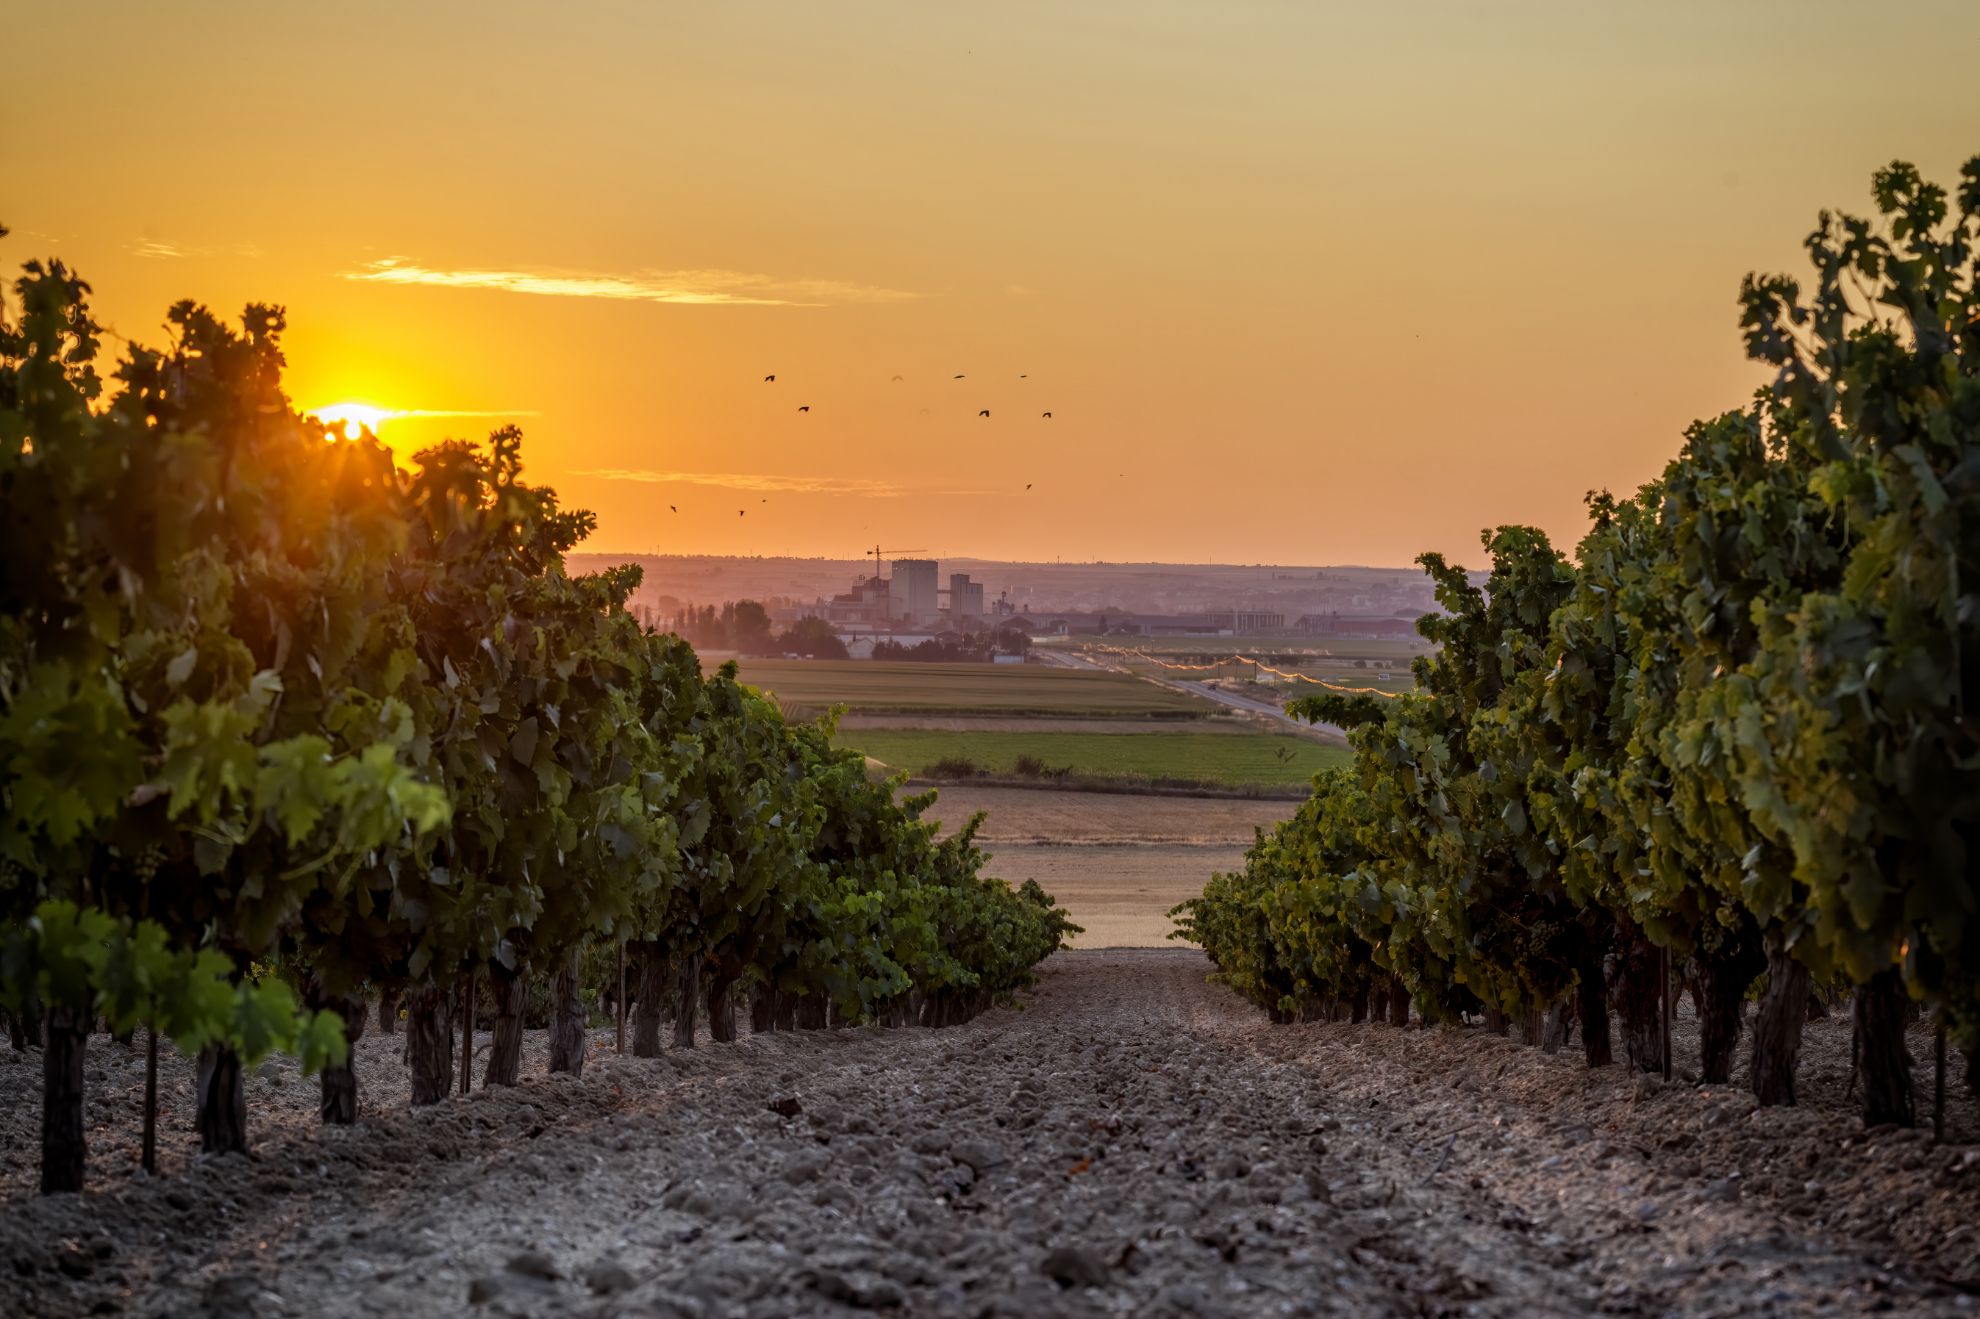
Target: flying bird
[[672, 509], [955, 377], [1023, 376], [900, 377], [768, 379], [1027, 485], [1048, 415], [739, 512], [805, 408], [984, 413]]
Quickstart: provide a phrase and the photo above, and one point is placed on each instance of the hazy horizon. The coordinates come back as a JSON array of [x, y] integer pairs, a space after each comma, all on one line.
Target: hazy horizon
[[587, 550]]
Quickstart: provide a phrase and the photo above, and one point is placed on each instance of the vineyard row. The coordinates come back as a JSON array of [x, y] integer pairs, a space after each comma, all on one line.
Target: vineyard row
[[283, 725], [1732, 738]]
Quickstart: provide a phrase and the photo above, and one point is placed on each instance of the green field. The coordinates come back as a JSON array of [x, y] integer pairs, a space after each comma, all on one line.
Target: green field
[[1382, 664], [1235, 759], [812, 686]]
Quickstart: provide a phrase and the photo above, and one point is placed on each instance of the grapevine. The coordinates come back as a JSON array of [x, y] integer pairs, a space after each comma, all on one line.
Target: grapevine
[[284, 725], [1733, 732]]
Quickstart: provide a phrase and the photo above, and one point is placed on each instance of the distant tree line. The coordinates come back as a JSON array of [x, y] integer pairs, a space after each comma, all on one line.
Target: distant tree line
[[742, 625], [745, 626], [957, 647]]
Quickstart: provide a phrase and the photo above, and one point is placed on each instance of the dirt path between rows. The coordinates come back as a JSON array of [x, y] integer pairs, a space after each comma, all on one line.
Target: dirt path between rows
[[1134, 1142]]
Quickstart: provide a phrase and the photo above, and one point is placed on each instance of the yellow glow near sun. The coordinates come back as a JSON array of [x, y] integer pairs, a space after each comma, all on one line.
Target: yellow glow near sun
[[354, 418]]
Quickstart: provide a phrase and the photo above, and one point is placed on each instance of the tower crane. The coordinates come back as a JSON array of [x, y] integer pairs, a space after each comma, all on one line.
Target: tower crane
[[877, 552]]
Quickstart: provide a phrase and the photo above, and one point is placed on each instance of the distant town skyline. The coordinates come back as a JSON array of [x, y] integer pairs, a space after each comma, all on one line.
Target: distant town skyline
[[1296, 283], [846, 592]]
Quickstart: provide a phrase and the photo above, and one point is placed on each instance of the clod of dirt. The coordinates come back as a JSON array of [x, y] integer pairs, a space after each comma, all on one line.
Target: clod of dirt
[[805, 1168], [607, 1278], [527, 1283], [535, 1264], [861, 1290], [1075, 1266], [979, 1155]]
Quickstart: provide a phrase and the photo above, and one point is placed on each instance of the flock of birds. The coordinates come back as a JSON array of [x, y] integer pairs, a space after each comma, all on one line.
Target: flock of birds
[[806, 407], [771, 379]]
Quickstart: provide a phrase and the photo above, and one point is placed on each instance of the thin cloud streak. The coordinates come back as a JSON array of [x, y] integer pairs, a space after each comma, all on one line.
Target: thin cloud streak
[[808, 485], [702, 288], [463, 412], [157, 249], [771, 484]]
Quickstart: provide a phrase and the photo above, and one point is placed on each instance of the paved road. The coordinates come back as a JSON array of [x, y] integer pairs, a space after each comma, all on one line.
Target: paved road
[[1245, 704], [1066, 659], [1250, 705]]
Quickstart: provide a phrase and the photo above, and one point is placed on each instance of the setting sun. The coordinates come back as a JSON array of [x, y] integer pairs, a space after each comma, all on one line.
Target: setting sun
[[354, 418]]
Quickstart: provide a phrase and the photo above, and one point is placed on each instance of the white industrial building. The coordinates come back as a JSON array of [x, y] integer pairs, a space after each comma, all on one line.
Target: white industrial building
[[912, 591], [965, 598], [909, 601]]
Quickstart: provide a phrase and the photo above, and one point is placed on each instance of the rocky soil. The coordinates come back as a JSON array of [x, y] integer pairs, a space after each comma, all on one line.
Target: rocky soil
[[1134, 1141]]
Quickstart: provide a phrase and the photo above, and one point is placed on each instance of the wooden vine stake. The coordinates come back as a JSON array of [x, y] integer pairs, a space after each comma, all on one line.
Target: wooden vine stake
[[151, 1098], [1939, 1085], [467, 1031], [1669, 1007], [622, 996]]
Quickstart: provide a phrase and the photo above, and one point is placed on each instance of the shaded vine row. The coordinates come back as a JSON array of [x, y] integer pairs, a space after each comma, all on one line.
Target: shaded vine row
[[284, 725], [1731, 734]]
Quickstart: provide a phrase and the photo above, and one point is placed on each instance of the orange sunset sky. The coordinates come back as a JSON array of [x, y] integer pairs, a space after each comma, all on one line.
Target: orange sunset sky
[[1306, 282]]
